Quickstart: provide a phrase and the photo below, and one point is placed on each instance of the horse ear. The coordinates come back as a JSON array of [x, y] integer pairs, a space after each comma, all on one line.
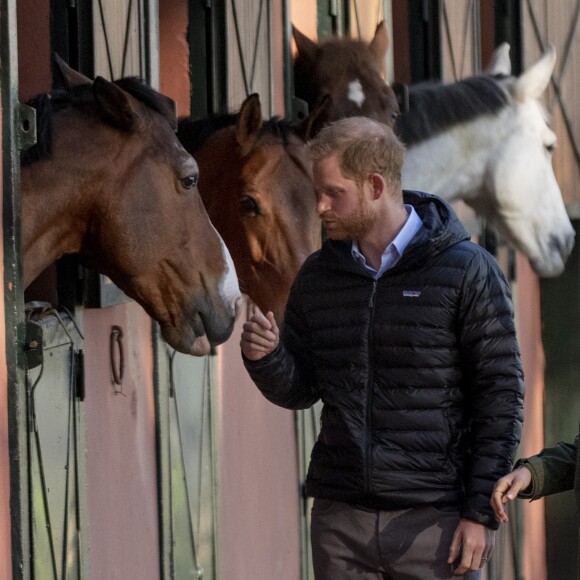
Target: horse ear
[[319, 117], [380, 43], [70, 77], [249, 121], [500, 63], [533, 82], [169, 110], [115, 104], [307, 49]]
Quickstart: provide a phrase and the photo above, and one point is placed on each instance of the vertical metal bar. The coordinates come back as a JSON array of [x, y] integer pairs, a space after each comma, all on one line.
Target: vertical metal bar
[[215, 446], [192, 532], [13, 297], [287, 57], [256, 45], [127, 34], [151, 39], [240, 48], [104, 24], [160, 373], [476, 36], [270, 59], [447, 28]]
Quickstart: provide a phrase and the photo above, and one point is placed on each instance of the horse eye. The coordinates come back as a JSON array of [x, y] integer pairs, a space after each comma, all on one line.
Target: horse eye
[[550, 148], [190, 181], [250, 206]]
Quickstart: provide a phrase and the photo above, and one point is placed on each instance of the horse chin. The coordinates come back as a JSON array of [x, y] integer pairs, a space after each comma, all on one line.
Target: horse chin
[[201, 346], [548, 268], [186, 343]]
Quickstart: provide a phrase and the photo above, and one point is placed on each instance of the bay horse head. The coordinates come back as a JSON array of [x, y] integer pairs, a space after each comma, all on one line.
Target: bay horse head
[[115, 186], [350, 72], [486, 140], [256, 183]]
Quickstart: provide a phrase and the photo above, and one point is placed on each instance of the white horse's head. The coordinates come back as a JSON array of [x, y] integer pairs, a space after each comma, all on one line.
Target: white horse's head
[[525, 203], [486, 140]]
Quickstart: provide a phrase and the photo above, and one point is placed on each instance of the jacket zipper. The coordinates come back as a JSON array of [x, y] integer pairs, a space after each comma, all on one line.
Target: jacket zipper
[[370, 392]]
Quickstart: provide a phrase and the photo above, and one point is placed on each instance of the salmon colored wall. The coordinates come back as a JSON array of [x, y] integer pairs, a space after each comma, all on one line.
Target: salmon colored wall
[[530, 338], [5, 542], [303, 15], [174, 53], [258, 502], [34, 48], [120, 434]]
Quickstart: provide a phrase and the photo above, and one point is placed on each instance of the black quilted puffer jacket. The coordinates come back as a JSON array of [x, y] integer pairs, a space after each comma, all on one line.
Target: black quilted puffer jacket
[[419, 371]]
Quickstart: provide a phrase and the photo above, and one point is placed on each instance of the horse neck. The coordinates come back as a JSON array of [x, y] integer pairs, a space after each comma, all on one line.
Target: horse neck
[[55, 203], [452, 164]]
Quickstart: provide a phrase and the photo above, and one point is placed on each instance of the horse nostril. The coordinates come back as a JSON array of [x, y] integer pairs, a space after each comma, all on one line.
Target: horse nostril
[[562, 244]]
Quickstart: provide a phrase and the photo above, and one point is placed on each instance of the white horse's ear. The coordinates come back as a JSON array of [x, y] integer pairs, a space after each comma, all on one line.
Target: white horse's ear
[[380, 42], [500, 63], [533, 82]]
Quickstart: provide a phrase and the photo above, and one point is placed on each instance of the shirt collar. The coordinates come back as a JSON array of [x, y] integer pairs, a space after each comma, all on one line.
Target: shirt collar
[[395, 249]]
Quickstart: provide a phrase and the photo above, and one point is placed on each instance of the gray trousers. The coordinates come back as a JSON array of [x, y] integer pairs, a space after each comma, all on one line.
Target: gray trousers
[[351, 542]]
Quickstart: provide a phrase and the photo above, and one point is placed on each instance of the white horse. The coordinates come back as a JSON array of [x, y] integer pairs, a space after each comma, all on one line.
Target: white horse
[[485, 140]]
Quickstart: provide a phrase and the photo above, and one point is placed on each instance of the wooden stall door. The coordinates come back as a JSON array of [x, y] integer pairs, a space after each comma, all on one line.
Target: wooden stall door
[[121, 441]]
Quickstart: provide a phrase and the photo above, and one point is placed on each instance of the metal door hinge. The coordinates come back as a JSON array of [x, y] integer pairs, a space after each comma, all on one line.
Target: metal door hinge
[[33, 349]]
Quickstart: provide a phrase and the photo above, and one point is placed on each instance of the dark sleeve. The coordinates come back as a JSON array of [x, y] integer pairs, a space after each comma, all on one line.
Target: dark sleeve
[[286, 376], [494, 385], [553, 470]]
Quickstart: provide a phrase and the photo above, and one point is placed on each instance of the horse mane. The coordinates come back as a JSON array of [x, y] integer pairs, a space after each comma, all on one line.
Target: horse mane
[[46, 103], [193, 133], [435, 107]]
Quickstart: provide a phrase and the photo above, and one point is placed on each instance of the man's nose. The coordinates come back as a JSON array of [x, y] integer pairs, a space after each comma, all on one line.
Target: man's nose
[[322, 204]]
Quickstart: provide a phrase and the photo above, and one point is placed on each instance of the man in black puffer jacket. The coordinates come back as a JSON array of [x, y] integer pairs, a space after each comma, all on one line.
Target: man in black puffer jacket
[[404, 329]]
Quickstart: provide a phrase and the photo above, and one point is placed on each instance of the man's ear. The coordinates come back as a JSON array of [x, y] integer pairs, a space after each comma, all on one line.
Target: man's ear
[[378, 185]]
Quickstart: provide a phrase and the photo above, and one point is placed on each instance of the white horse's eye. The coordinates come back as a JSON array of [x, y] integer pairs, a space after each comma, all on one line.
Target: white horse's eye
[[550, 147]]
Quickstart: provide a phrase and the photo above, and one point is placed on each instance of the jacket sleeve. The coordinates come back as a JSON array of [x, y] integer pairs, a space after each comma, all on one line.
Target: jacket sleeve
[[553, 470], [286, 376], [494, 385]]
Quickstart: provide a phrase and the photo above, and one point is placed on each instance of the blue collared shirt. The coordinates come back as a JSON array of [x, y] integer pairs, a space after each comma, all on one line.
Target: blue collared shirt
[[395, 249]]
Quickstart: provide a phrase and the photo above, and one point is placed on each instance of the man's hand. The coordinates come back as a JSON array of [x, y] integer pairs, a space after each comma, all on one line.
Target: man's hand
[[471, 546], [507, 489], [260, 335]]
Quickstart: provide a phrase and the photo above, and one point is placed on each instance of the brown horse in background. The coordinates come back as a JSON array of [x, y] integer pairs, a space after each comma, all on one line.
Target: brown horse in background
[[256, 183], [350, 72], [110, 181]]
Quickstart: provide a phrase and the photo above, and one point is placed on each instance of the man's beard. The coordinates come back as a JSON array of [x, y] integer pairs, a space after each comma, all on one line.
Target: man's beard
[[352, 227]]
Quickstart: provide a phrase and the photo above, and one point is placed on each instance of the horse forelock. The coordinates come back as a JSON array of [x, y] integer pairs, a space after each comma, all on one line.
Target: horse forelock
[[156, 101], [434, 108], [279, 128], [193, 133]]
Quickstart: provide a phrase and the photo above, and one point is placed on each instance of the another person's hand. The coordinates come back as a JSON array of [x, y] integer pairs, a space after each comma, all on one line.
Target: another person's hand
[[507, 489], [260, 335], [471, 546]]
